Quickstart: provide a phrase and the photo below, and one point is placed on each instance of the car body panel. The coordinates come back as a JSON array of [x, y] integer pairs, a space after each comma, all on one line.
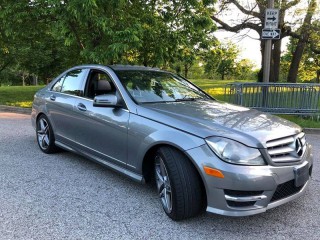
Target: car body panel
[[121, 137], [213, 118], [244, 178], [144, 134]]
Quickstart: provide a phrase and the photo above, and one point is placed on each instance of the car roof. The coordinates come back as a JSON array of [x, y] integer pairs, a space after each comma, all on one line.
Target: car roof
[[132, 67]]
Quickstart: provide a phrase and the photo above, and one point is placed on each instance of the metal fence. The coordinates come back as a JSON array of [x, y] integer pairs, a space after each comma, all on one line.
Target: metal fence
[[281, 98]]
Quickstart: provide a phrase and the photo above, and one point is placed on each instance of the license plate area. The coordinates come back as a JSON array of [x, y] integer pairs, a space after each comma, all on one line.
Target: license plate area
[[301, 175]]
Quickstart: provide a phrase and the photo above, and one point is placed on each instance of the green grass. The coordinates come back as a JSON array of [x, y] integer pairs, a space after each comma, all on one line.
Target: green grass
[[215, 88], [23, 96], [305, 122], [18, 96]]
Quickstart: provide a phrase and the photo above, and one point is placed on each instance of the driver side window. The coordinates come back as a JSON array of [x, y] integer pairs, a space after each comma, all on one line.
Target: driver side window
[[98, 83]]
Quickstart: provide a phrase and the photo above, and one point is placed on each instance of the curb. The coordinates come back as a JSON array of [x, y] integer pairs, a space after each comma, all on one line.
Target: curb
[[312, 130], [4, 108]]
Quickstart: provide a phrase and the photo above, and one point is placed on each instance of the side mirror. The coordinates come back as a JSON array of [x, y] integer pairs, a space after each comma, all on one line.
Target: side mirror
[[106, 100]]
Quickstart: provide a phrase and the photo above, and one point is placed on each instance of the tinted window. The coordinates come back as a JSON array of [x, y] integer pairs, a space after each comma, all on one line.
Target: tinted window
[[92, 86], [72, 83], [153, 86], [57, 86]]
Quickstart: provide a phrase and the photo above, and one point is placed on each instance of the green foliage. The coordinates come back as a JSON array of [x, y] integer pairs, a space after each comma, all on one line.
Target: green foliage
[[43, 37], [221, 60], [244, 70], [309, 68]]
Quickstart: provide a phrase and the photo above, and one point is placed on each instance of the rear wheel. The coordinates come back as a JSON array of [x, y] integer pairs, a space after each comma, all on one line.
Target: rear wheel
[[178, 183], [45, 136]]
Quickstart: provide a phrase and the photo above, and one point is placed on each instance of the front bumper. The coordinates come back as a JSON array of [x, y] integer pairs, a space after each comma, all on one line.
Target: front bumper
[[247, 190]]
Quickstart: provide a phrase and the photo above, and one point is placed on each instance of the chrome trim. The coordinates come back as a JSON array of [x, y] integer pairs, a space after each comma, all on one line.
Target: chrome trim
[[282, 141], [245, 199], [288, 149], [280, 150]]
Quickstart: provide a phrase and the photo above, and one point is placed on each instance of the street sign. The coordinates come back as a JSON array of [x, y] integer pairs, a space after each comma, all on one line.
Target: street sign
[[271, 18], [271, 33]]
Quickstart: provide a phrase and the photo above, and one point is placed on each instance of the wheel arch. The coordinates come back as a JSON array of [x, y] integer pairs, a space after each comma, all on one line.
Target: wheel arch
[[148, 165]]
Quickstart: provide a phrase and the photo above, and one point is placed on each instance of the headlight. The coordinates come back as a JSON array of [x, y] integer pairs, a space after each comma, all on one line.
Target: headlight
[[235, 152]]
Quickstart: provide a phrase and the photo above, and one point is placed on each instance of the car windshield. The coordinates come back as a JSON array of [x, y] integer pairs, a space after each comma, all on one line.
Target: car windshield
[[153, 86]]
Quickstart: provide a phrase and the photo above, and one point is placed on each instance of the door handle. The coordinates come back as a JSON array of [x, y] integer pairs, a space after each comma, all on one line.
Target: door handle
[[53, 97], [82, 107]]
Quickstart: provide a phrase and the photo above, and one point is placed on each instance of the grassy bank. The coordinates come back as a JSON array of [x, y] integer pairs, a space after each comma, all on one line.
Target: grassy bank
[[214, 87], [18, 96]]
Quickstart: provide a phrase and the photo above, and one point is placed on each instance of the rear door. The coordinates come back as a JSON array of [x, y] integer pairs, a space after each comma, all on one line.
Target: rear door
[[60, 104]]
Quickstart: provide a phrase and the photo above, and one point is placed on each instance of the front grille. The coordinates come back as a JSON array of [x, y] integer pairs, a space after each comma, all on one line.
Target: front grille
[[288, 149], [285, 190]]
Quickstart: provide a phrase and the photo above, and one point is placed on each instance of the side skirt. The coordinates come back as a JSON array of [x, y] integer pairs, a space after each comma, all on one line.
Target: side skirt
[[136, 177]]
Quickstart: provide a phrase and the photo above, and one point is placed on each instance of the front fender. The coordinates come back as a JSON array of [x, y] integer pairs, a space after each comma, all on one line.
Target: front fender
[[144, 134]]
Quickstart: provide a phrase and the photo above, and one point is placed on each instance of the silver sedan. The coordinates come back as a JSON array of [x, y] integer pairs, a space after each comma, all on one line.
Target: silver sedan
[[155, 126]]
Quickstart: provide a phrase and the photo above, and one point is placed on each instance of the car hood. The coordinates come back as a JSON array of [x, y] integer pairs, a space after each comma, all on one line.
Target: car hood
[[206, 118]]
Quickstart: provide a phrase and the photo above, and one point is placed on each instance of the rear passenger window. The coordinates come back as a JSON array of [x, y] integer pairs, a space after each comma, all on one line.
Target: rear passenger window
[[72, 83]]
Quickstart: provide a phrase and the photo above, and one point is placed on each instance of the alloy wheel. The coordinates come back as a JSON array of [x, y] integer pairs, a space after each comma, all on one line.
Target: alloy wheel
[[43, 133], [163, 184]]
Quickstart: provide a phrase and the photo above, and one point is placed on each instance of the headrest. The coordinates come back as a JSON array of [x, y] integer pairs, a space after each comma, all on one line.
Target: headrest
[[103, 85]]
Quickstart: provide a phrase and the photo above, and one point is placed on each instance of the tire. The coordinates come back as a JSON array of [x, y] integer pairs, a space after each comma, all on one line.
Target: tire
[[179, 186], [45, 135]]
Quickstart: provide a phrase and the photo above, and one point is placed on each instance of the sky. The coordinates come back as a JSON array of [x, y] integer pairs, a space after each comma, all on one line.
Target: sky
[[249, 46]]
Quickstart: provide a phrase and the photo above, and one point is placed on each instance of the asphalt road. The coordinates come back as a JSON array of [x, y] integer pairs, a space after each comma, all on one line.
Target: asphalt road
[[64, 196]]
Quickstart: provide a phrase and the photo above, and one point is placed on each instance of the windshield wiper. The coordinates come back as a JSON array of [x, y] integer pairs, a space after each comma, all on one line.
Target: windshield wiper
[[186, 99]]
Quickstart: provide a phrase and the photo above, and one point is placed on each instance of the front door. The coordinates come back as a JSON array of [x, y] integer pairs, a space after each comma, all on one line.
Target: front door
[[102, 131]]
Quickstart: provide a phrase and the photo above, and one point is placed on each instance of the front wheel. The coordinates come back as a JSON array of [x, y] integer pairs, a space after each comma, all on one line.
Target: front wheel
[[45, 136], [178, 183]]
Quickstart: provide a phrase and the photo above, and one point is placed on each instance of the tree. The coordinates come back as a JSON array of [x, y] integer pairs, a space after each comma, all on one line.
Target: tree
[[250, 15], [244, 69], [221, 60], [309, 67], [303, 38], [34, 49]]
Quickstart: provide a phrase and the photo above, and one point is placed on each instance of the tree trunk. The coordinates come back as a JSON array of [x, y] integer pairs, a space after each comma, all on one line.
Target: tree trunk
[[305, 33], [222, 75], [295, 62], [186, 70], [23, 79], [260, 74], [35, 80], [276, 55]]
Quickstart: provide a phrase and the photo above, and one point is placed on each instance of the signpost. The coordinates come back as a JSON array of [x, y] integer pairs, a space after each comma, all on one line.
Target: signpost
[[271, 19], [269, 33]]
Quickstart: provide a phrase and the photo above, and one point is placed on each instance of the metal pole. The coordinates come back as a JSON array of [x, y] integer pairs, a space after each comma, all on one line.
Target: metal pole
[[267, 52]]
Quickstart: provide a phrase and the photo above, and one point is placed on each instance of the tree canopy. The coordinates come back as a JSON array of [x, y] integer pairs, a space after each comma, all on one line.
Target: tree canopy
[[49, 34]]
